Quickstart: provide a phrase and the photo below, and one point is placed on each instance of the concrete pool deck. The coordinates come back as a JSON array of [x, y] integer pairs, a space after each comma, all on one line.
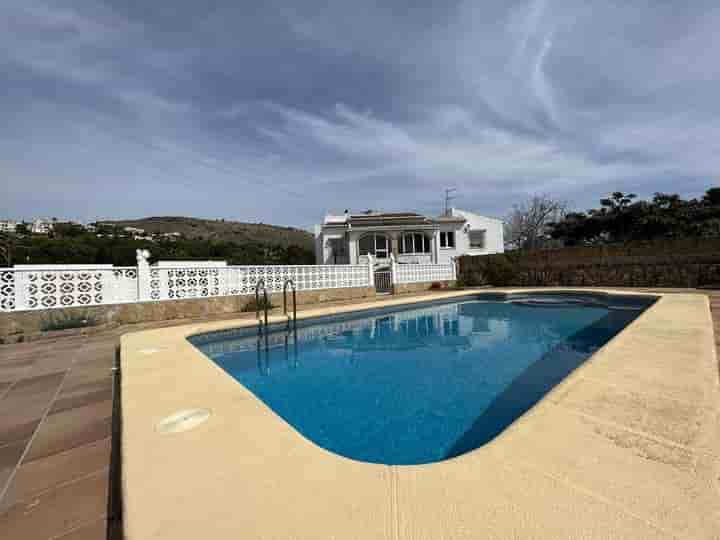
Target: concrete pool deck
[[627, 446]]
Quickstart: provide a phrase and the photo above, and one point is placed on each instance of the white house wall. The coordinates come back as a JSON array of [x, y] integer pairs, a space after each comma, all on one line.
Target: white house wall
[[493, 240], [493, 234]]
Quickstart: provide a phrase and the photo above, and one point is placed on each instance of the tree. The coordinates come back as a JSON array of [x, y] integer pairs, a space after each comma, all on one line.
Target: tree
[[621, 218], [6, 249], [712, 197], [526, 227]]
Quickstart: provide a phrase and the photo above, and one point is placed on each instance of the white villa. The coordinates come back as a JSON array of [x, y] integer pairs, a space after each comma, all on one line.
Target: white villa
[[410, 237], [8, 226]]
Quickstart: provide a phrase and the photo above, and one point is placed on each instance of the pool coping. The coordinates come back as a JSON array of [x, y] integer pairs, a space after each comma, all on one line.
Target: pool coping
[[652, 417]]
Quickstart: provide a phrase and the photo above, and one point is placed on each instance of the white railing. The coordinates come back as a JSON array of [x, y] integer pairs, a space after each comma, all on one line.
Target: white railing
[[58, 287], [198, 282], [47, 287], [72, 286], [422, 273]]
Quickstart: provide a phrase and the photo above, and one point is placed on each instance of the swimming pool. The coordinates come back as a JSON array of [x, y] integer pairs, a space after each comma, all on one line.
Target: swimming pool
[[422, 383]]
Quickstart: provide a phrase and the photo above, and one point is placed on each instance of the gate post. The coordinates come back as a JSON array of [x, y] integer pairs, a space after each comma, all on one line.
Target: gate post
[[143, 275], [393, 273], [371, 271]]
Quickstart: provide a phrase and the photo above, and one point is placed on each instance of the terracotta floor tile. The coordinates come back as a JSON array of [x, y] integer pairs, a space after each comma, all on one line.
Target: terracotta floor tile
[[24, 404], [51, 364], [57, 511], [36, 476], [9, 458], [96, 530], [16, 428], [12, 371], [103, 351], [79, 395], [97, 366], [71, 428], [35, 386], [40, 349]]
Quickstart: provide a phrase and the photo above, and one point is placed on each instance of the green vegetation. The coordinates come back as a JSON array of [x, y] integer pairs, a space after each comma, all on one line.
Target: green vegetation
[[64, 320], [220, 230], [498, 270], [252, 306], [71, 244], [622, 218]]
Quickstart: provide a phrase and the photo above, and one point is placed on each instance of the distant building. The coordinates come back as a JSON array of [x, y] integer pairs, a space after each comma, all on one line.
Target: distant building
[[8, 226], [133, 230], [41, 226], [170, 236]]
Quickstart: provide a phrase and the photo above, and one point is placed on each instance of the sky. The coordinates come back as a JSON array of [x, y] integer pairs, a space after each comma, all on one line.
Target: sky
[[279, 112]]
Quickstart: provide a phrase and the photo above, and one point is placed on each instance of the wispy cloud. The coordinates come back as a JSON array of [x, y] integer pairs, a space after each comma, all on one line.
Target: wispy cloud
[[279, 113]]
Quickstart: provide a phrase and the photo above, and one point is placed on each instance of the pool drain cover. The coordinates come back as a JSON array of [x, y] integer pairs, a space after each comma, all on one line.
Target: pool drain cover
[[183, 420]]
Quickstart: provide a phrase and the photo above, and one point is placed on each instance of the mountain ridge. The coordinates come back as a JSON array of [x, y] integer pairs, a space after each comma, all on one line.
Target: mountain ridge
[[220, 230]]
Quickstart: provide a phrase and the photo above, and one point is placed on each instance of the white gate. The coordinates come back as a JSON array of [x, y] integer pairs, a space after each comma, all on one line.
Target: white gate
[[383, 281]]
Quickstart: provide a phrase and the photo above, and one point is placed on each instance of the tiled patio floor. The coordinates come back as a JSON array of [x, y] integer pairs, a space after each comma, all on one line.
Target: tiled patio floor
[[55, 437], [56, 409]]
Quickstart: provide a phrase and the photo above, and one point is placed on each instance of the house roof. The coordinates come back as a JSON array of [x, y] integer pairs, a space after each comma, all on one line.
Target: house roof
[[450, 219], [385, 219]]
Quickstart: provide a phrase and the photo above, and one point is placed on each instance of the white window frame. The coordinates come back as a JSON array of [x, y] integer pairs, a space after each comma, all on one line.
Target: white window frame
[[484, 238], [387, 250], [446, 235], [425, 241]]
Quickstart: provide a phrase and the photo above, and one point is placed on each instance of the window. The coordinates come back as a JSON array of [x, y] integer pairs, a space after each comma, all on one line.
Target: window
[[412, 243], [447, 239], [337, 245], [374, 244], [477, 239]]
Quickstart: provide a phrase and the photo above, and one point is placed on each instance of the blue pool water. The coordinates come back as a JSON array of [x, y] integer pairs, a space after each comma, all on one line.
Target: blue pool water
[[420, 384]]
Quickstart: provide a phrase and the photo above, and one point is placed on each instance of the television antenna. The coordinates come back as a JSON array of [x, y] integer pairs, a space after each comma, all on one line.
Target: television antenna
[[449, 197]]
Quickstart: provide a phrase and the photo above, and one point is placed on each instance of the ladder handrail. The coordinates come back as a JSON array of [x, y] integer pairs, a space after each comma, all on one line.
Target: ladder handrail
[[261, 281], [294, 297]]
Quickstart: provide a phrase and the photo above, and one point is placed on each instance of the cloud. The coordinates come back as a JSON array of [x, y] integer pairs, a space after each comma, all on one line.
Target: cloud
[[282, 112]]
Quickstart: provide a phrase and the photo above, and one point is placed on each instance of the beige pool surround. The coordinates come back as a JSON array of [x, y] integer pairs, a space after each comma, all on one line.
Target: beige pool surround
[[627, 446]]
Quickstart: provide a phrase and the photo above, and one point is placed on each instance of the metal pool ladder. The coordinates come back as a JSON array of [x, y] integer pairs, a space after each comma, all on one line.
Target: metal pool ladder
[[260, 282], [294, 298]]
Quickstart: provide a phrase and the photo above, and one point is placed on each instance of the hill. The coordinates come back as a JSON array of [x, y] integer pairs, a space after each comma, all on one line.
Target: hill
[[221, 230]]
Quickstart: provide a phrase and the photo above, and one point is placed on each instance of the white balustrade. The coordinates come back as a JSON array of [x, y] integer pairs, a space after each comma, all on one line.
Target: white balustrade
[[170, 283], [422, 273], [48, 287], [31, 287]]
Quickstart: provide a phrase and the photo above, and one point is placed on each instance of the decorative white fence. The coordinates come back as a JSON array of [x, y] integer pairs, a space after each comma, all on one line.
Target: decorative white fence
[[47, 288], [53, 287], [178, 282], [421, 273], [30, 287]]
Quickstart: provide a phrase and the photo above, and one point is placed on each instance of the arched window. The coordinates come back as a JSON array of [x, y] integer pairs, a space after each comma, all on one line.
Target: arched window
[[374, 244], [413, 243]]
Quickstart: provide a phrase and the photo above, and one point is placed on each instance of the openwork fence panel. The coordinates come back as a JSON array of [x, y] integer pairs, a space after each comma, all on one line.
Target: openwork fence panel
[[7, 290], [45, 288], [421, 273], [28, 288], [192, 282]]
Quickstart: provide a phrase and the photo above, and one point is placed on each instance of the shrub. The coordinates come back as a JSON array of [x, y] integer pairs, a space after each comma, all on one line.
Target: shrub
[[65, 320], [499, 271], [252, 306]]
